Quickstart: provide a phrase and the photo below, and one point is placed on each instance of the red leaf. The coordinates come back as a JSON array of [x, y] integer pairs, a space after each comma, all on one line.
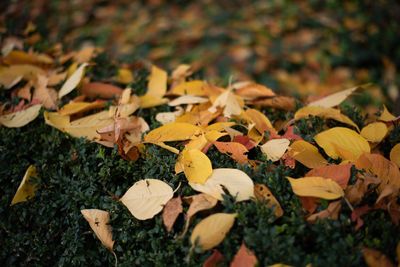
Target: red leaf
[[244, 140], [357, 213], [244, 257], [289, 134], [214, 259]]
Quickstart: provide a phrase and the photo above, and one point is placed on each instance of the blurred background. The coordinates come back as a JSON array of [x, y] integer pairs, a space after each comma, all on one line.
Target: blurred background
[[300, 48]]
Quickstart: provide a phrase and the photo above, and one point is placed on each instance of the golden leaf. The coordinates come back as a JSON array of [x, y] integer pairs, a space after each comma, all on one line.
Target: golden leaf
[[262, 193], [212, 230], [189, 88], [124, 76], [374, 132], [157, 85], [386, 115], [177, 131], [26, 189], [146, 198], [316, 187], [20, 118], [78, 107], [307, 154], [10, 76], [98, 221], [196, 165], [395, 154]]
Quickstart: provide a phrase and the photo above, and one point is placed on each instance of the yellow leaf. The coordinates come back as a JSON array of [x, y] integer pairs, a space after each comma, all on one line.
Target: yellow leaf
[[98, 221], [177, 131], [375, 258], [157, 85], [336, 98], [83, 127], [316, 187], [212, 230], [77, 107], [214, 135], [262, 122], [253, 91], [275, 148], [124, 76], [307, 154], [189, 88], [386, 115], [374, 132], [237, 183], [327, 113], [20, 118], [72, 82], [198, 142], [149, 101], [196, 165], [12, 75], [219, 126], [25, 189], [262, 193], [395, 154], [187, 99], [146, 198], [344, 138]]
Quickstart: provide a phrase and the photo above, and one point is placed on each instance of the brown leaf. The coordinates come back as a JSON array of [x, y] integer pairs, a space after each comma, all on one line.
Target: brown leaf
[[244, 257], [171, 212], [47, 96], [357, 213], [375, 258], [234, 150], [338, 173], [332, 212], [279, 102], [103, 90], [262, 194], [309, 204], [363, 185], [214, 259]]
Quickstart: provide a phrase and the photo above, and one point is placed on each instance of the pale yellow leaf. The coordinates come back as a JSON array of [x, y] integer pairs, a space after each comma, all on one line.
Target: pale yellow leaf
[[72, 82], [316, 187], [374, 132], [307, 154], [227, 101], [196, 165], [146, 198], [169, 117], [275, 148], [395, 154], [212, 230], [10, 76], [47, 96], [386, 115], [20, 118], [98, 221], [177, 131], [25, 189], [149, 101], [237, 182], [187, 99], [344, 138]]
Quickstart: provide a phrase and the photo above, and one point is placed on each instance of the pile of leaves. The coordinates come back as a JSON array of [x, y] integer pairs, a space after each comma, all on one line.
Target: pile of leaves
[[263, 177]]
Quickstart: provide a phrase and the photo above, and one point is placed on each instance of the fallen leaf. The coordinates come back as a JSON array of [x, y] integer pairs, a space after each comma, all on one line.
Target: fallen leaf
[[98, 221], [279, 102], [375, 258], [332, 212], [307, 154], [187, 99], [25, 190], [275, 148], [253, 91], [177, 131], [47, 96], [262, 194], [386, 115], [262, 123], [189, 88], [381, 167], [157, 86], [395, 154], [10, 76], [338, 173], [212, 230], [16, 57], [72, 82], [316, 187], [336, 98], [169, 117], [124, 76], [364, 184], [343, 138], [237, 182], [171, 212], [79, 107], [196, 165], [25, 91], [289, 134], [244, 140], [234, 150], [214, 259], [146, 198], [374, 132], [103, 90], [20, 118], [228, 102], [244, 257]]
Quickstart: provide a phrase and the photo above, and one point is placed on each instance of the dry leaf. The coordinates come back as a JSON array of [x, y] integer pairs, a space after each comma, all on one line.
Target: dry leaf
[[316, 187], [20, 118], [214, 259], [244, 257], [332, 212], [171, 212], [335, 99], [262, 123], [72, 82], [238, 184], [98, 221], [374, 132], [364, 183], [338, 173], [187, 99], [275, 148], [228, 101], [381, 167], [169, 117], [375, 258], [177, 131], [10, 76], [395, 154], [234, 150], [344, 138], [146, 198], [79, 107], [124, 76], [189, 88], [244, 140], [212, 230], [262, 194], [196, 165], [26, 189], [47, 96], [253, 91], [386, 115], [279, 102], [103, 90], [307, 154], [157, 86]]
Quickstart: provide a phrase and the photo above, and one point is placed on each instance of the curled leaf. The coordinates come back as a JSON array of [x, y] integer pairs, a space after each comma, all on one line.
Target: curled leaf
[[262, 194], [20, 118], [26, 189], [72, 82], [171, 212], [98, 221]]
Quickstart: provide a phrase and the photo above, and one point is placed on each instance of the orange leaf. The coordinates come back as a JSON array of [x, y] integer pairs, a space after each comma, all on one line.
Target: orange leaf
[[234, 150], [279, 102], [214, 259], [244, 257], [375, 258], [103, 90], [253, 91], [171, 212], [338, 173], [262, 193], [332, 212]]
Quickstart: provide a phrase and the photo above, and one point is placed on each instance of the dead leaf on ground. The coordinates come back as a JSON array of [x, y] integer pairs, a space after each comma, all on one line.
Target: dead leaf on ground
[[307, 154], [332, 212], [20, 118], [375, 258], [275, 148], [316, 187], [244, 257], [171, 212], [72, 82], [98, 221], [214, 260], [234, 150], [25, 190], [262, 194], [338, 173]]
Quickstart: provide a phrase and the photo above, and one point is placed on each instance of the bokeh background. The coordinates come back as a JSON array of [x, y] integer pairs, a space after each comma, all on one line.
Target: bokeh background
[[298, 48]]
